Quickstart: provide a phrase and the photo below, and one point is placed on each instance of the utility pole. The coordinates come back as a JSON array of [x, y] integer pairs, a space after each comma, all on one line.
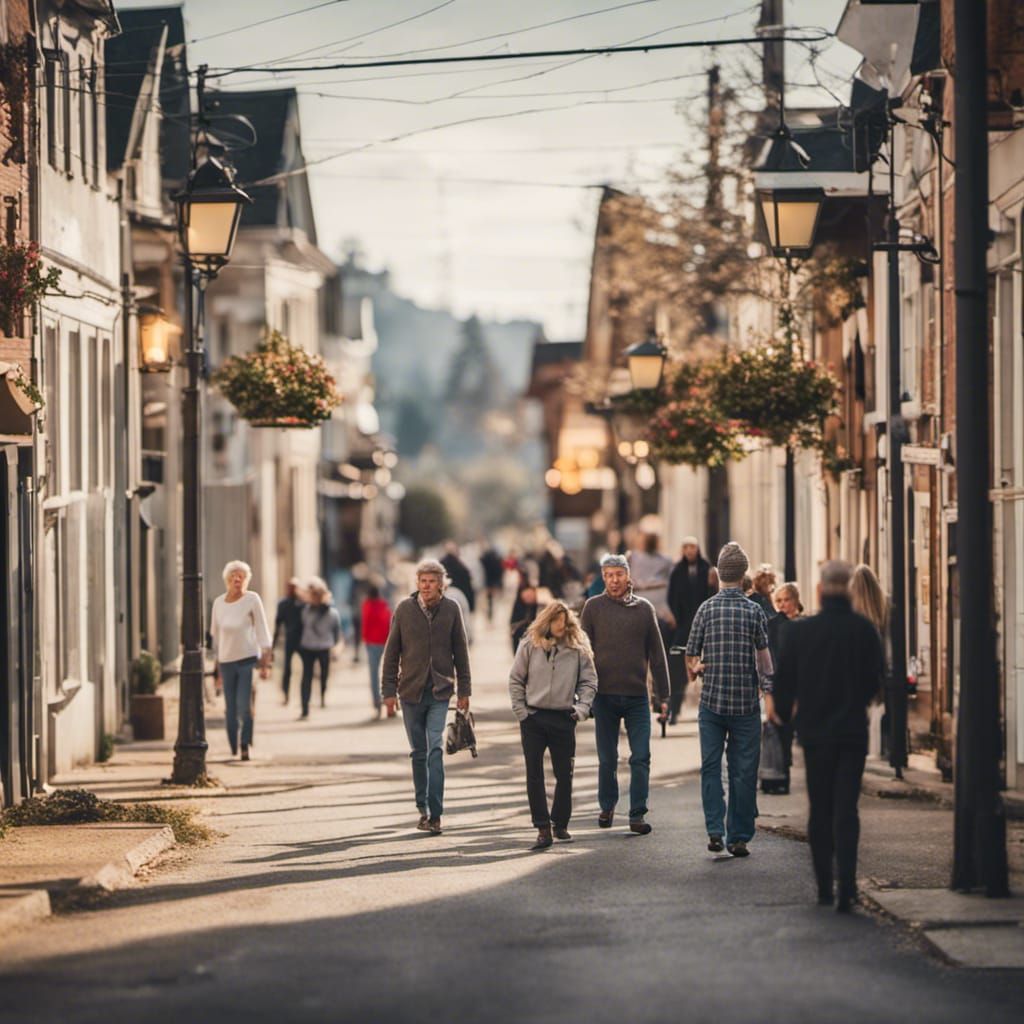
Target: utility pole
[[979, 847], [717, 524], [895, 428]]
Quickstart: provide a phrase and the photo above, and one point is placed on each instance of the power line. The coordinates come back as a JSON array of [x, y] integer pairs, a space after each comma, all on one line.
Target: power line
[[363, 35], [434, 128], [512, 32], [594, 51], [267, 21]]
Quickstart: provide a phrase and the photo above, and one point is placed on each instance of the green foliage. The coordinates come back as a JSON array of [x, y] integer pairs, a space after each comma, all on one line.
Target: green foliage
[[832, 282], [106, 751], [688, 429], [415, 427], [424, 517], [80, 807], [145, 673], [835, 459], [28, 387], [279, 384], [772, 392]]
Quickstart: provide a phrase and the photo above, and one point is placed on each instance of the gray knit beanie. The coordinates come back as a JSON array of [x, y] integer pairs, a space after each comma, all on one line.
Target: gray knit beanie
[[732, 563]]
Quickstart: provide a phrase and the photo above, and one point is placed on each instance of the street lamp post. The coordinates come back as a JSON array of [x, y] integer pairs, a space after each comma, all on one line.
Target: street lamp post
[[209, 210]]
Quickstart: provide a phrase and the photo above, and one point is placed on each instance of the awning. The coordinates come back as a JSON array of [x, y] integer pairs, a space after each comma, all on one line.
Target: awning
[[16, 407]]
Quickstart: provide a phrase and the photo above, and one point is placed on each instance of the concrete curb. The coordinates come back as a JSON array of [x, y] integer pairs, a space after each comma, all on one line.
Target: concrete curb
[[119, 873], [23, 906]]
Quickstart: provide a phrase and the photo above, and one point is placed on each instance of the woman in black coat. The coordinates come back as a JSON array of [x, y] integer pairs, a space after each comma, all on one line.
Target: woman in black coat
[[524, 611], [692, 581]]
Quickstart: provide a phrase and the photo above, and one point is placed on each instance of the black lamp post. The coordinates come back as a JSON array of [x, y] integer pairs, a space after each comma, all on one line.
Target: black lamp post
[[209, 210]]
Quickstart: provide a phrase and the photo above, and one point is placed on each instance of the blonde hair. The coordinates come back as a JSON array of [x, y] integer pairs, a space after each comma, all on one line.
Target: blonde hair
[[868, 598], [792, 589], [237, 566], [539, 633], [764, 577]]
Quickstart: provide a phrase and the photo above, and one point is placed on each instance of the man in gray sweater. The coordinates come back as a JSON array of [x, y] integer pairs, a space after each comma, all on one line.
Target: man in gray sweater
[[623, 630], [426, 658]]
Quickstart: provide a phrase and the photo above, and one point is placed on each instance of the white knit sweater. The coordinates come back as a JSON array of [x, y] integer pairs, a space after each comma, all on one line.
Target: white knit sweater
[[239, 628]]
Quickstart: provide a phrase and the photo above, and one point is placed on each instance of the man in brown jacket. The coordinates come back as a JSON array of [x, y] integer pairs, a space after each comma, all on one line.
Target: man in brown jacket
[[624, 632], [426, 658]]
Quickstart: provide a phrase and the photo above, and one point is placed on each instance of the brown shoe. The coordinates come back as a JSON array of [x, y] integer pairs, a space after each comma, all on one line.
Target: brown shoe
[[605, 819], [424, 823], [434, 826], [640, 827], [245, 752], [562, 834], [544, 839]]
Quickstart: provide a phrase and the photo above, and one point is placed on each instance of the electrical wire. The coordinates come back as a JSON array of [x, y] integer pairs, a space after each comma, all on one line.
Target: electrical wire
[[583, 51], [267, 21]]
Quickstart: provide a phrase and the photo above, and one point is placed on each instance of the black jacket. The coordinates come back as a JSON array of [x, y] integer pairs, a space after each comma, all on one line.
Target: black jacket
[[830, 667], [686, 594]]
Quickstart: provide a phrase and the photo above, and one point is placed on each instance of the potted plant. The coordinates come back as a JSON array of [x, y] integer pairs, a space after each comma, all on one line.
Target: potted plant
[[146, 705], [279, 385]]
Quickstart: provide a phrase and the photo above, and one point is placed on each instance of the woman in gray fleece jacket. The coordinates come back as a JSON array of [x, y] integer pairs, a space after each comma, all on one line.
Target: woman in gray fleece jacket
[[552, 684]]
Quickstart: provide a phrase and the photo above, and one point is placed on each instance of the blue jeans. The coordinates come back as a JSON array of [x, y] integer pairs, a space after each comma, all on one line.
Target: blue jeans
[[236, 677], [374, 653], [740, 737], [609, 711], [424, 725]]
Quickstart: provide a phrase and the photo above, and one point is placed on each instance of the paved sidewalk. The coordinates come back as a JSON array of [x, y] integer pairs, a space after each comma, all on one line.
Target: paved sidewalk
[[59, 863], [906, 861]]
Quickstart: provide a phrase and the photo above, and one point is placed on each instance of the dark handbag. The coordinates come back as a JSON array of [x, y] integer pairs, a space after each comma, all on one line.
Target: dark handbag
[[772, 769], [461, 735]]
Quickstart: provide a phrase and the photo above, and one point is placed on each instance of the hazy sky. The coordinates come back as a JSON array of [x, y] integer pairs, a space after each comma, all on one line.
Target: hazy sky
[[493, 216]]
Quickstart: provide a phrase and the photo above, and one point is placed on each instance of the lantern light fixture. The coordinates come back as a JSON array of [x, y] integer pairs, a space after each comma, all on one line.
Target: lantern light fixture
[[790, 219], [155, 337], [210, 208], [646, 361]]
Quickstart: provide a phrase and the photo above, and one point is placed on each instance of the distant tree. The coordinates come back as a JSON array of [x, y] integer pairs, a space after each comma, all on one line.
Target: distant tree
[[424, 517], [414, 428], [472, 378]]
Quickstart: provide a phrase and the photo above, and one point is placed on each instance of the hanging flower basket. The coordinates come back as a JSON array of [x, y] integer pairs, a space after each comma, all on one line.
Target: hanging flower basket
[[279, 385], [774, 394], [23, 282], [688, 429]]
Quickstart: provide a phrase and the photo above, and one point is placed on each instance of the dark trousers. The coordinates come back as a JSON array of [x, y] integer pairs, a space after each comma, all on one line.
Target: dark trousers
[[291, 648], [309, 660], [554, 731], [834, 772], [610, 711], [678, 679]]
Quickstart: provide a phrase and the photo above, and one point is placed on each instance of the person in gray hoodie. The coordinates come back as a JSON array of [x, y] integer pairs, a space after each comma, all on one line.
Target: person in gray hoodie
[[321, 631], [552, 684]]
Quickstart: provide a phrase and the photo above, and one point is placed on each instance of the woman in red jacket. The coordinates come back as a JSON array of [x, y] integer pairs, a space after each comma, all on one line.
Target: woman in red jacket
[[375, 619]]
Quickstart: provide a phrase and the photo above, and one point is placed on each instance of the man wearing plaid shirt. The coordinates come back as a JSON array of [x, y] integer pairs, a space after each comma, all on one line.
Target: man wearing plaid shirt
[[728, 646]]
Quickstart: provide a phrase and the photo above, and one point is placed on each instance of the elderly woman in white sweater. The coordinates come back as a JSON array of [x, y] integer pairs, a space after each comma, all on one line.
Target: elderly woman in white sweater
[[241, 641], [552, 685]]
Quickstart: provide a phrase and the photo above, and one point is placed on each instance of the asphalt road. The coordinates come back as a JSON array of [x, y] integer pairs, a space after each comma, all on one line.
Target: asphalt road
[[321, 903]]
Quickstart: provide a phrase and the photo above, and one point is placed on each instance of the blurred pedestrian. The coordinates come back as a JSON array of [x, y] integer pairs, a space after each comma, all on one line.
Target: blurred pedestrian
[[456, 595], [459, 574], [427, 659], [288, 622], [375, 620], [692, 581], [728, 647], [494, 577], [524, 611], [831, 667], [789, 608], [356, 596], [241, 641], [552, 685], [762, 587], [624, 634], [321, 631], [650, 570], [870, 600]]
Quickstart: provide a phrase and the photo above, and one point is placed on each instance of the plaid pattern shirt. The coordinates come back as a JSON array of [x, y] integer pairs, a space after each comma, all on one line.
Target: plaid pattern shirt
[[727, 631]]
